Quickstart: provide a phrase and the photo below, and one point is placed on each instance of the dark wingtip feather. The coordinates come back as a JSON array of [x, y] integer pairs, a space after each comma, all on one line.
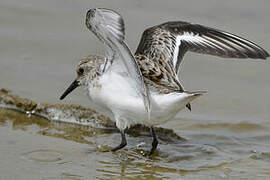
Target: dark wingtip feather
[[262, 54], [266, 55]]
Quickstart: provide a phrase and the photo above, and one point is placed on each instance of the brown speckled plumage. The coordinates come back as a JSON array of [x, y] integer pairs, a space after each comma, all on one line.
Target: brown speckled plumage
[[158, 74], [159, 42]]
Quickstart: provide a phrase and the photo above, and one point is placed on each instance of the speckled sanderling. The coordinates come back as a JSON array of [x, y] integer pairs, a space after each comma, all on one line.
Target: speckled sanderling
[[145, 89]]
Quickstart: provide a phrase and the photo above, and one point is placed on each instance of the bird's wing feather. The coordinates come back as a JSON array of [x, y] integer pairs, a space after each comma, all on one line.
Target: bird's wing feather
[[108, 26], [172, 40], [154, 55]]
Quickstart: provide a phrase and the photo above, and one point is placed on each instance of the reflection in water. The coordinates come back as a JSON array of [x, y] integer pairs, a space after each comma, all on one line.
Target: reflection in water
[[173, 158], [66, 176], [56, 129], [189, 158], [218, 156]]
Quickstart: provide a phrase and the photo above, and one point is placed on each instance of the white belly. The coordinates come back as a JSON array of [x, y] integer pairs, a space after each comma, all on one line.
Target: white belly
[[117, 99]]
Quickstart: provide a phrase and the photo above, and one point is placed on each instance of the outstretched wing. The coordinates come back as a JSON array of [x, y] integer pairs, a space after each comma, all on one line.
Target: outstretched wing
[[108, 26], [170, 41]]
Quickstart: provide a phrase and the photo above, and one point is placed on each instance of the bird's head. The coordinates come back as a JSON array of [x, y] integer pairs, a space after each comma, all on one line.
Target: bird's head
[[87, 70]]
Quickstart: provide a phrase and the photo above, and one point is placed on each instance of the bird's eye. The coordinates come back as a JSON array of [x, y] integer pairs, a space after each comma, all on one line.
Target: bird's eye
[[81, 70]]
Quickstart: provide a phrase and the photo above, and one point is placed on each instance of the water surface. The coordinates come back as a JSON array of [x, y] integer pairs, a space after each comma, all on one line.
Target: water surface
[[227, 131]]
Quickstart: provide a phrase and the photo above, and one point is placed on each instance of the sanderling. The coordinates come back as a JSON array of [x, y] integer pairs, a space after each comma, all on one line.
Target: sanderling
[[145, 88]]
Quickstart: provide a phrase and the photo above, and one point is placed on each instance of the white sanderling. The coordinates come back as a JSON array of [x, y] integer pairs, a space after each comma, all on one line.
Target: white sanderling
[[144, 88]]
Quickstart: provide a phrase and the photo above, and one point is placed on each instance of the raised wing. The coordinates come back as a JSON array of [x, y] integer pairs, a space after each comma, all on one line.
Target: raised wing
[[108, 26], [170, 41]]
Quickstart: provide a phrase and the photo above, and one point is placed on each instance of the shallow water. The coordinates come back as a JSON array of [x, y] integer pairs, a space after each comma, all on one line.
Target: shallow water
[[36, 148], [227, 132]]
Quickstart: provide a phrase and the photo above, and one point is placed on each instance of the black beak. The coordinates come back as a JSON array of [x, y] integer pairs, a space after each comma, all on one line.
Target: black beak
[[70, 88]]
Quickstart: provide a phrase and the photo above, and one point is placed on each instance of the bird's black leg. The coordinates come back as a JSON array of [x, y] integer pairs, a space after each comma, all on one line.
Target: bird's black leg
[[123, 142], [155, 141]]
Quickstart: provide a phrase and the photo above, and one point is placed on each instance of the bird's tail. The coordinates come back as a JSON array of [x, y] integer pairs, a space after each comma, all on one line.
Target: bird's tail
[[195, 93], [191, 95]]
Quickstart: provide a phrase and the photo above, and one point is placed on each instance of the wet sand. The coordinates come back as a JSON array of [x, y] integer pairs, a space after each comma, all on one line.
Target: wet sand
[[227, 132]]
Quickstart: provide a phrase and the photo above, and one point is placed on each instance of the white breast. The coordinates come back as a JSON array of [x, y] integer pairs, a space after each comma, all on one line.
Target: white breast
[[117, 99]]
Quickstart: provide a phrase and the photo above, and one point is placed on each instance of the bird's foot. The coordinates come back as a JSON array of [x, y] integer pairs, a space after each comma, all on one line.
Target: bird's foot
[[120, 146]]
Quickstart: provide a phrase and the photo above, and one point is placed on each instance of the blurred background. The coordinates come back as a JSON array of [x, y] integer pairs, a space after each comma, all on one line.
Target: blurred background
[[42, 41]]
